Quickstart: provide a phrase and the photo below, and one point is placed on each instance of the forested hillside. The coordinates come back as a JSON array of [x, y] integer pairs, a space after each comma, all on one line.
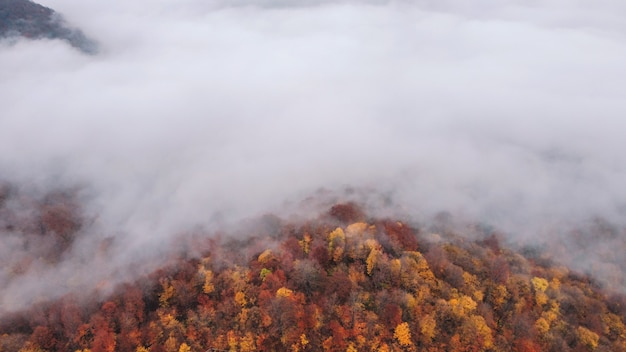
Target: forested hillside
[[342, 281]]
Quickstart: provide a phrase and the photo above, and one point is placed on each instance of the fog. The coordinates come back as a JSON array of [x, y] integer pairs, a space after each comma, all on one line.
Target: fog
[[199, 113]]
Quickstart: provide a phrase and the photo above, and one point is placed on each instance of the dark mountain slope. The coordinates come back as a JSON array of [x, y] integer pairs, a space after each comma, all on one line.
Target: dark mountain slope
[[28, 19]]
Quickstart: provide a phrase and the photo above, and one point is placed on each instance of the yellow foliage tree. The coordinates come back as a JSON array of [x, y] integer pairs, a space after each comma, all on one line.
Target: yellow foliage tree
[[402, 333], [336, 236], [168, 320], [303, 340], [542, 326], [428, 326], [239, 277], [483, 330], [356, 276], [184, 348], [540, 285], [233, 341], [337, 254], [336, 243], [499, 295], [284, 292], [242, 317], [555, 284], [240, 299], [247, 343], [351, 348], [265, 256], [470, 280], [372, 259], [327, 345], [472, 286], [264, 272], [462, 306], [476, 331], [168, 292], [613, 326], [549, 316], [305, 243], [383, 348], [208, 286], [420, 267], [588, 338]]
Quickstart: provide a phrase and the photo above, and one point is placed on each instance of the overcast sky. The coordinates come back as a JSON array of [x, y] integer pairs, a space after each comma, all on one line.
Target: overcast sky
[[512, 112]]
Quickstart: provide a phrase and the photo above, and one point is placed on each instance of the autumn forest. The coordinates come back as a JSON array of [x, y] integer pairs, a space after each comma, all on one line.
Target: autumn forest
[[340, 281]]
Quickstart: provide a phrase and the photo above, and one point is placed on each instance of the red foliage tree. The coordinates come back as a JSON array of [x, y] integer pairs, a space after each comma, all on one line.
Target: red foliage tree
[[347, 213], [403, 234]]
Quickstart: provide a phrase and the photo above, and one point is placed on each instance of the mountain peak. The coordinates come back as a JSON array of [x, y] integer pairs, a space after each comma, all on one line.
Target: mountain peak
[[31, 20]]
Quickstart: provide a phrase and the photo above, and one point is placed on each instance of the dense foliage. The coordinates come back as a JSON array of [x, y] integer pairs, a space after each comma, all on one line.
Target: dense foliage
[[340, 282]]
